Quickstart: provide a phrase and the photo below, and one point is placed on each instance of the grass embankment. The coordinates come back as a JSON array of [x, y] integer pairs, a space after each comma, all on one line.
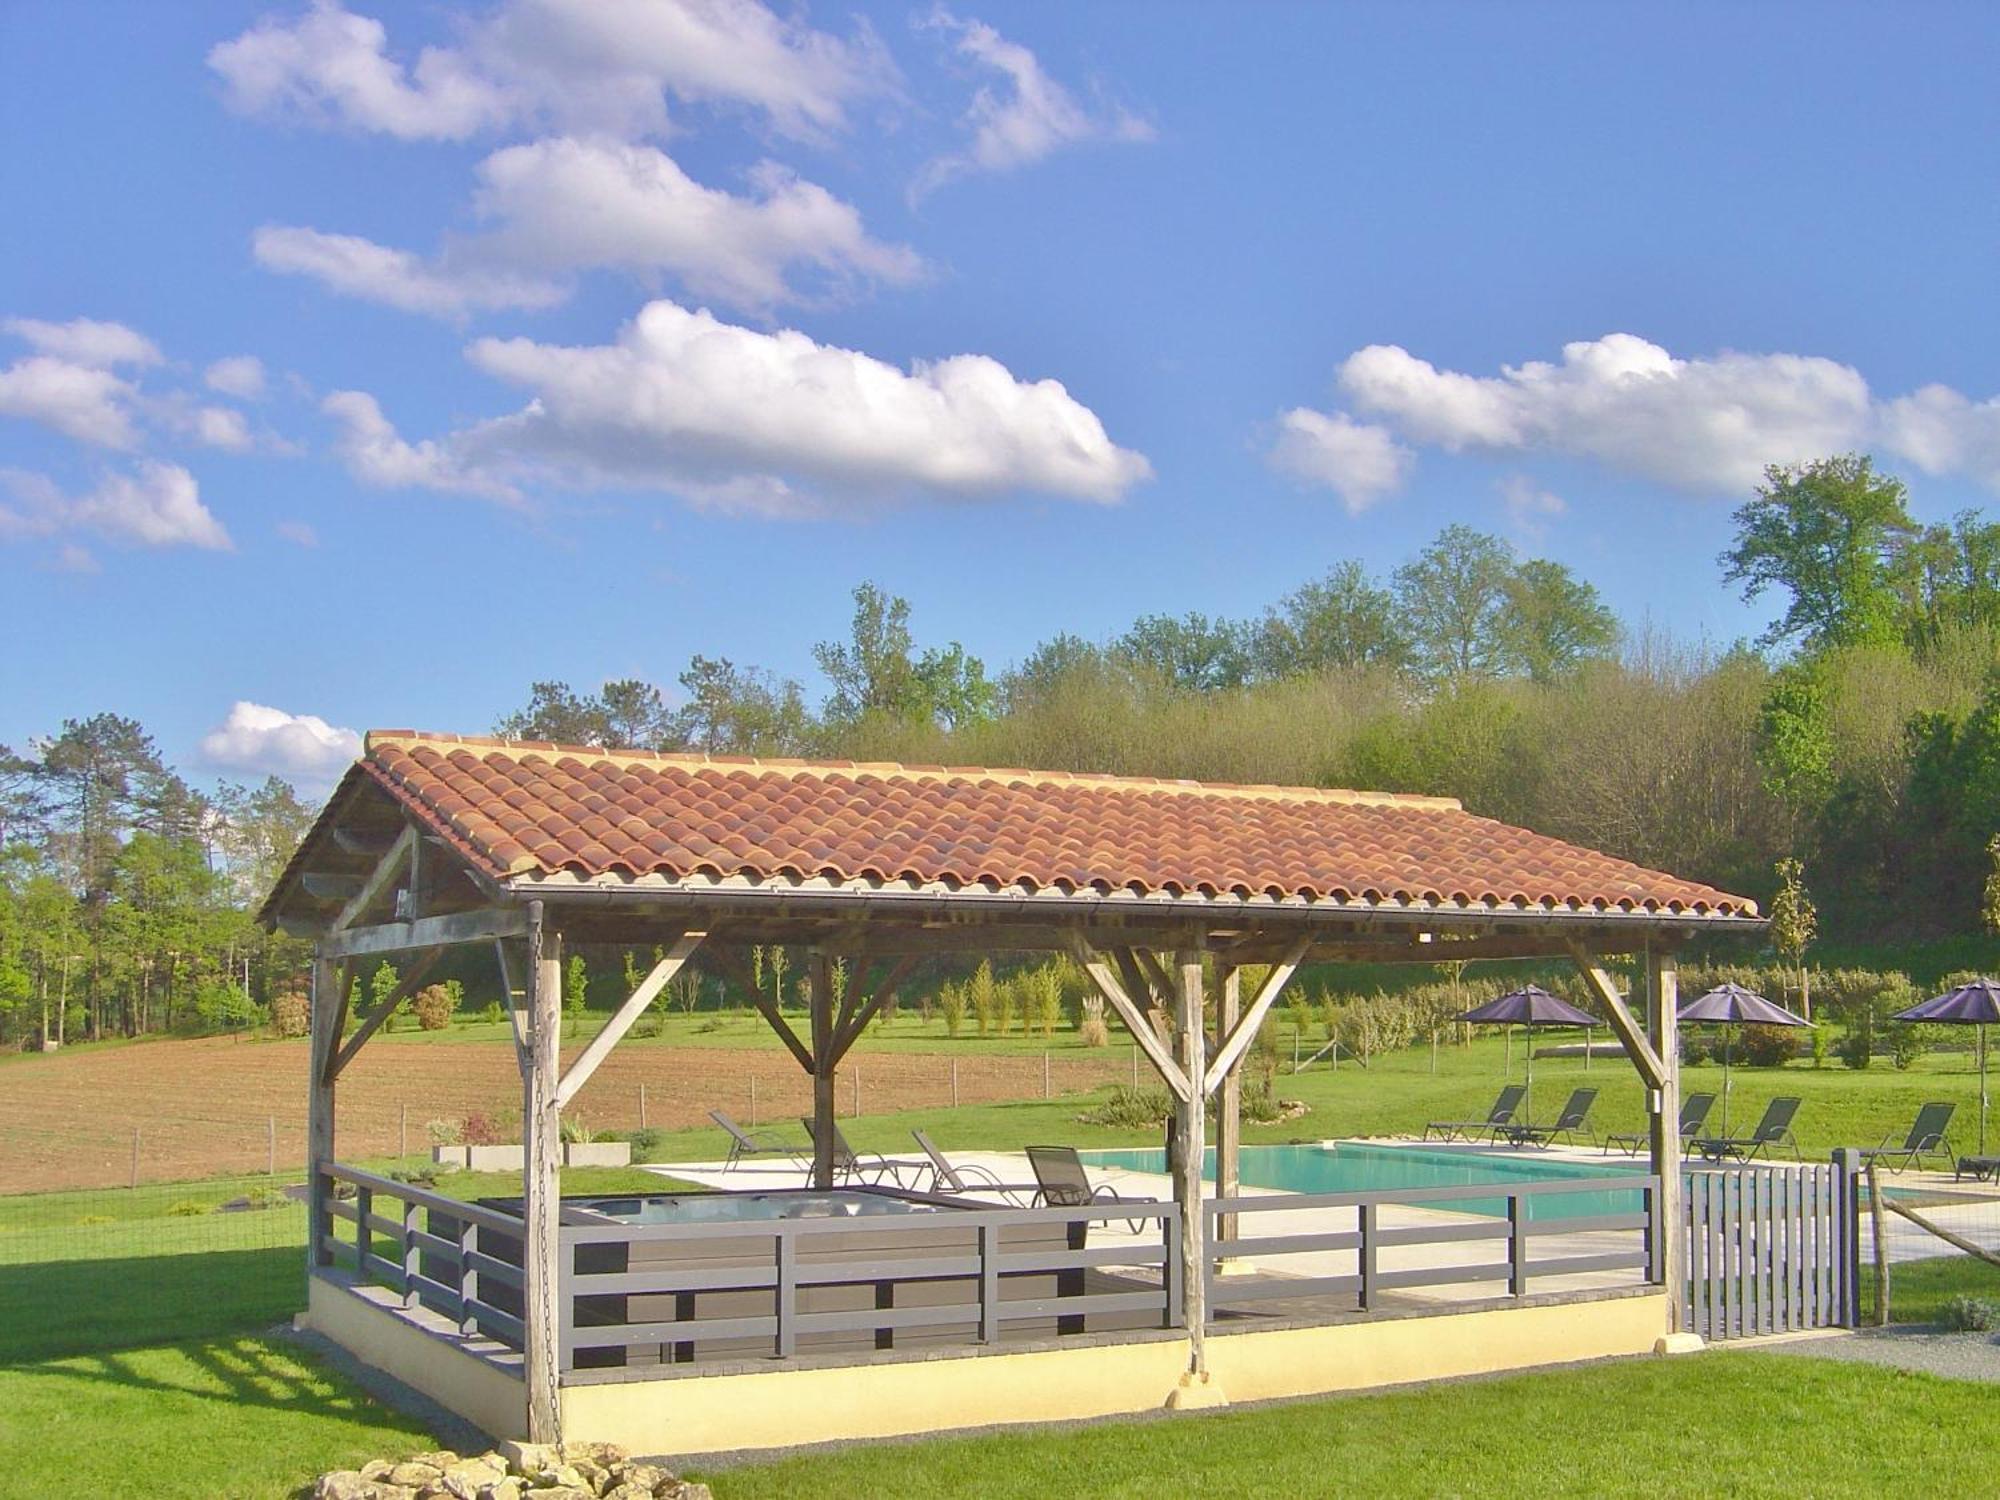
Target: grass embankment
[[1717, 1424]]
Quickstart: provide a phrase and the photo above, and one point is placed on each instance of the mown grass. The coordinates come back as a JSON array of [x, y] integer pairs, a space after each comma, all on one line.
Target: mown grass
[[1715, 1424], [1920, 1289]]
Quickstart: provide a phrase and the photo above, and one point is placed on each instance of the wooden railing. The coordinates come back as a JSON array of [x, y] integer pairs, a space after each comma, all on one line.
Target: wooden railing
[[649, 1293], [449, 1256], [1515, 1234]]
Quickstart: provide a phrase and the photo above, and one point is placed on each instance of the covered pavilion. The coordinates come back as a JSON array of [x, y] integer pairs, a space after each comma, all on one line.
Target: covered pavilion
[[1164, 891]]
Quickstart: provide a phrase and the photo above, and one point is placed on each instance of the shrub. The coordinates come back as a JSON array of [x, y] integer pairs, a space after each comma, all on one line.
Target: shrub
[[1822, 1045], [648, 1143], [268, 1197], [1856, 1047], [480, 1130], [951, 1005], [424, 1176], [1907, 1043], [1045, 1000], [574, 1130], [434, 1005], [494, 1013], [445, 1131], [1972, 1315], [984, 996], [291, 1014], [1131, 1108], [1007, 1001], [1695, 1049], [1091, 1030], [1766, 1046], [93, 1220], [188, 1208]]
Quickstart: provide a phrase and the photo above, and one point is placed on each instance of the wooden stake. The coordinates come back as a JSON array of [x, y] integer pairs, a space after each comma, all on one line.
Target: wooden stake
[[753, 1100], [135, 1156], [857, 1093], [1046, 1093], [642, 1106], [403, 1130], [272, 1170], [954, 1083], [1881, 1248]]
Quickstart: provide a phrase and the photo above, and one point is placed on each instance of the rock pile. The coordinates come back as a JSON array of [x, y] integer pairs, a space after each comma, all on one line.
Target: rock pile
[[513, 1471]]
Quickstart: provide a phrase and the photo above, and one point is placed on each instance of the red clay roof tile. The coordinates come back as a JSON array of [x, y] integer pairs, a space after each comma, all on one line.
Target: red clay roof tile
[[536, 810]]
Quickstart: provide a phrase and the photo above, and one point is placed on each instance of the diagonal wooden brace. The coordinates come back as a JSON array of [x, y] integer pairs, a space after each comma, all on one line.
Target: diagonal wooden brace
[[1245, 1030], [1135, 1020], [1630, 1032]]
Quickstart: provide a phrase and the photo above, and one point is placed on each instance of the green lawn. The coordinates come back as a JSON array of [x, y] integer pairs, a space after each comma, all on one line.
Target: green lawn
[[1919, 1289], [1715, 1424]]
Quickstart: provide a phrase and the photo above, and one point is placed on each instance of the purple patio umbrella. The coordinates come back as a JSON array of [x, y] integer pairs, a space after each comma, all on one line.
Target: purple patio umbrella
[[1533, 1006], [1974, 1004], [1731, 1005]]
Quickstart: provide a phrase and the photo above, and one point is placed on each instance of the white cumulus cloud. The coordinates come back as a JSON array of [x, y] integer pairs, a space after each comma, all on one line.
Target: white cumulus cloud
[[376, 454], [269, 741], [586, 64], [360, 268], [1026, 117], [1529, 507], [733, 417], [1356, 460], [85, 402], [86, 341], [155, 505], [239, 375]]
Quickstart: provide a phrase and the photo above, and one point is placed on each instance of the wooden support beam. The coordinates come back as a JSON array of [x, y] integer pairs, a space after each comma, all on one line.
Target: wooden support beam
[[1663, 1022], [1229, 1098], [1157, 978], [517, 1012], [350, 842], [821, 1001], [1651, 1066], [621, 1021], [731, 963], [328, 1014], [387, 869], [1155, 1001], [426, 932], [406, 984], [1239, 1036], [1189, 1126], [848, 1033], [541, 1187], [326, 886], [1141, 1028]]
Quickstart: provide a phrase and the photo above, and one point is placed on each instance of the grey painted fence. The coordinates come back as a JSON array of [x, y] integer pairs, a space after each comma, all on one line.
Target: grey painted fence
[[457, 1259], [1516, 1236], [647, 1294], [1772, 1249]]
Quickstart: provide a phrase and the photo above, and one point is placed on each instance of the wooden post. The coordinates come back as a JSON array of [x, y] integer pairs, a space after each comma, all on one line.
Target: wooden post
[[319, 1108], [271, 1167], [642, 1105], [1879, 1235], [403, 1132], [1662, 1023], [541, 1182], [1195, 1389], [753, 1101], [135, 1156], [1229, 1107], [954, 1083], [823, 1066], [857, 1093]]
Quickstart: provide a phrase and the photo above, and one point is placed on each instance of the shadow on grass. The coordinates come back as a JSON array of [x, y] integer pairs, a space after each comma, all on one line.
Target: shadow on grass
[[57, 1308]]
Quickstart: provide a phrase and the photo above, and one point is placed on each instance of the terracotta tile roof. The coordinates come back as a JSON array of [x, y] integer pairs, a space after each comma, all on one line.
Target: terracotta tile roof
[[534, 811]]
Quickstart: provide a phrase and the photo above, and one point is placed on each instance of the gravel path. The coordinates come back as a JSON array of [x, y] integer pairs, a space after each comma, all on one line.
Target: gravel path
[[1957, 1356]]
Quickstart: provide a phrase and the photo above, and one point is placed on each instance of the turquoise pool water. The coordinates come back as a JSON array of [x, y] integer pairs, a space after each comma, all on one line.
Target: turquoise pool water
[[1358, 1167]]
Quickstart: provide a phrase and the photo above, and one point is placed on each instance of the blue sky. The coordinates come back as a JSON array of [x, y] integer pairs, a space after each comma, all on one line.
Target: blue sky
[[565, 340]]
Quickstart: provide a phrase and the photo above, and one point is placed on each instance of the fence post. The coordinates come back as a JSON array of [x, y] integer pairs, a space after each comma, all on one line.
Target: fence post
[[642, 1106], [1045, 1077], [788, 1294], [412, 1264], [753, 1099], [954, 1083], [1877, 1228], [403, 1131], [135, 1156], [272, 1169], [1368, 1217], [989, 1284], [1847, 1280], [468, 1276], [1517, 1246], [857, 1093]]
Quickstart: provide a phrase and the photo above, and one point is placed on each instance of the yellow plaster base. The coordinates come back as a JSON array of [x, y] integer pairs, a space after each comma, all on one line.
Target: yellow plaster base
[[780, 1408], [491, 1399]]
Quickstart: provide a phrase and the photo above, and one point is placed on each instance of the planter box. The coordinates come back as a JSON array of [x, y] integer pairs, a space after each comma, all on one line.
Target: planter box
[[448, 1156], [495, 1158], [598, 1154]]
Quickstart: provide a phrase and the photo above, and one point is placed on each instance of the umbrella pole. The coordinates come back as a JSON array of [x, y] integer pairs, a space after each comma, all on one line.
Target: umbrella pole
[[1728, 1046], [1982, 1090], [1528, 1099]]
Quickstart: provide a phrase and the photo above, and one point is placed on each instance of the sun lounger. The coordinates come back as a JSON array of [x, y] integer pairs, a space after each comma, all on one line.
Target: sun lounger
[[1063, 1183], [1978, 1168], [971, 1178], [1694, 1115], [1508, 1100], [1775, 1129], [745, 1143], [872, 1169], [1572, 1122], [1926, 1138]]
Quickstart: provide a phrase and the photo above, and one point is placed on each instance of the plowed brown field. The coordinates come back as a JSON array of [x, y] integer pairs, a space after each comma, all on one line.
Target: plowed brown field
[[206, 1106]]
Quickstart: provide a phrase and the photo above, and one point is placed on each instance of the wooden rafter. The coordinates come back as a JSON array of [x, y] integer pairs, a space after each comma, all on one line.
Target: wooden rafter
[[406, 984], [1245, 1030], [848, 1031], [731, 963], [426, 932], [1651, 1068], [1101, 975], [675, 958], [517, 1012], [400, 857]]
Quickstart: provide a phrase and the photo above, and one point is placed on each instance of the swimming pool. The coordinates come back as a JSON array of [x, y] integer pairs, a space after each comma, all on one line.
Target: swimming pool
[[1361, 1167]]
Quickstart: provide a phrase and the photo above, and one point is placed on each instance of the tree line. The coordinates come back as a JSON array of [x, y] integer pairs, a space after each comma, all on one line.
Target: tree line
[[1860, 737]]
